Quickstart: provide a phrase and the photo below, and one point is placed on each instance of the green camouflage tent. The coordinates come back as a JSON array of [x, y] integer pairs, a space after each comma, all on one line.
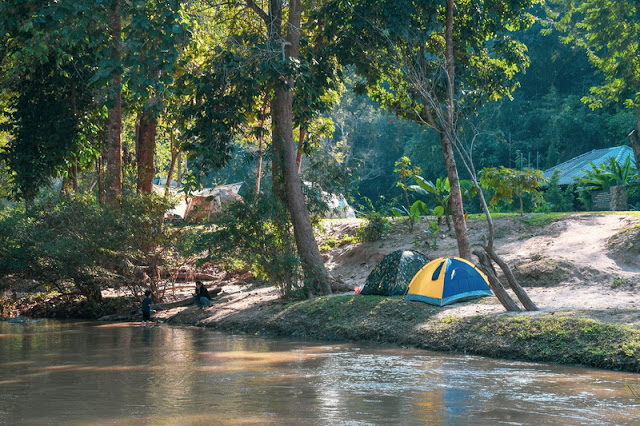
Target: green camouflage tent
[[394, 273]]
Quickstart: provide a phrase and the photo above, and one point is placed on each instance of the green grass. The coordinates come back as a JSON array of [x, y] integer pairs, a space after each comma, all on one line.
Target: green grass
[[543, 219]]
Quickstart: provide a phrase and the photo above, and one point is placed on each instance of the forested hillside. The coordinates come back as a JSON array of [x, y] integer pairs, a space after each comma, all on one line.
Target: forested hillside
[[544, 124]]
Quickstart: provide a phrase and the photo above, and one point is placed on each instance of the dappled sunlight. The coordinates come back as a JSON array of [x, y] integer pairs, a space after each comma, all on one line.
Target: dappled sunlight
[[239, 360], [253, 355], [118, 325]]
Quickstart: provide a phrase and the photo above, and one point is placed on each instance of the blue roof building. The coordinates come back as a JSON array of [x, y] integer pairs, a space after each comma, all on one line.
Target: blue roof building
[[572, 169]]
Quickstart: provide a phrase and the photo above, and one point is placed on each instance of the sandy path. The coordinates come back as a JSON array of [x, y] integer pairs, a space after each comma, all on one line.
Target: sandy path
[[582, 242]]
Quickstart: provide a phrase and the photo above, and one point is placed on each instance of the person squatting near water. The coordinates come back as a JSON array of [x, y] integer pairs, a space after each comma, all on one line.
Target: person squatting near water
[[146, 308], [201, 296]]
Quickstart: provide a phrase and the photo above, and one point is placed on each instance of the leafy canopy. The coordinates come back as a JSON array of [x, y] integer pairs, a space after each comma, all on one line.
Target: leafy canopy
[[609, 31], [399, 47]]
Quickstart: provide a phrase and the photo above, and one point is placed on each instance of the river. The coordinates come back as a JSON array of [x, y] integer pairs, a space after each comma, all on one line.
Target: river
[[87, 373]]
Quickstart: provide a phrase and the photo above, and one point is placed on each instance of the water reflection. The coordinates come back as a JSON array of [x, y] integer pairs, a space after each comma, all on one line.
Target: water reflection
[[87, 373]]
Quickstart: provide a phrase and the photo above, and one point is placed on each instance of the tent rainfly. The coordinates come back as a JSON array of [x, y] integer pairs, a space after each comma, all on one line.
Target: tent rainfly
[[391, 277]]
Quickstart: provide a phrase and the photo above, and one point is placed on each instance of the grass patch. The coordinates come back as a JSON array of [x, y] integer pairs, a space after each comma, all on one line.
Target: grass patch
[[332, 242], [543, 219], [564, 339]]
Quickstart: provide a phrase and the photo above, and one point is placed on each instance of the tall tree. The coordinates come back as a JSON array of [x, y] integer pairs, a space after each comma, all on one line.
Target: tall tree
[[260, 59], [287, 37], [156, 35], [434, 62], [113, 176], [47, 63], [609, 31]]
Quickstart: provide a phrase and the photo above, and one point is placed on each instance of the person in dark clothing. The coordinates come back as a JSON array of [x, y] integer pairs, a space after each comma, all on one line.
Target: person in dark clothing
[[201, 295], [146, 308]]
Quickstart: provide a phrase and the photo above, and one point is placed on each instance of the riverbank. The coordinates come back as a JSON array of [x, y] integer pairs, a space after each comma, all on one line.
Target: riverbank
[[580, 269], [564, 337]]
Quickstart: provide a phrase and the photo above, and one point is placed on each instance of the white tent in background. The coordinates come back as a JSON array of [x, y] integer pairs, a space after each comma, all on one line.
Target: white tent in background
[[201, 204], [339, 208]]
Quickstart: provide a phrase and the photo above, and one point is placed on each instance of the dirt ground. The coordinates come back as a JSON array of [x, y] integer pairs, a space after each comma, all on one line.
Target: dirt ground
[[588, 264]]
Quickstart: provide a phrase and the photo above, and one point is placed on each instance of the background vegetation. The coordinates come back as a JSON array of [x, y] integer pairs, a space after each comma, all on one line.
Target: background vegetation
[[195, 86]]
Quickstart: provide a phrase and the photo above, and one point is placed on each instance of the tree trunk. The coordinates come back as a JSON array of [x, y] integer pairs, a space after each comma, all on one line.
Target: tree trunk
[[316, 275], [447, 140], [261, 134], [145, 150], [300, 150], [180, 170], [497, 288], [172, 165], [113, 175], [455, 201], [513, 283], [635, 142], [100, 179], [489, 253], [259, 167]]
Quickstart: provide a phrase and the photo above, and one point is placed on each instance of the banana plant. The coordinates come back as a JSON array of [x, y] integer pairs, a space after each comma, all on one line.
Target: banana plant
[[439, 193], [415, 211], [607, 174]]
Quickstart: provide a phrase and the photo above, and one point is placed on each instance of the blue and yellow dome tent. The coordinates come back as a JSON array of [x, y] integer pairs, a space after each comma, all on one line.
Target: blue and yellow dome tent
[[448, 280]]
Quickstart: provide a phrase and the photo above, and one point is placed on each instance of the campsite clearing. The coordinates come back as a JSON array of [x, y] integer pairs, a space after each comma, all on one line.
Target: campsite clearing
[[582, 270]]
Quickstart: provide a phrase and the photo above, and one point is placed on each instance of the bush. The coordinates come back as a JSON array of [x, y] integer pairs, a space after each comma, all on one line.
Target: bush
[[374, 229], [77, 244], [557, 200], [256, 234]]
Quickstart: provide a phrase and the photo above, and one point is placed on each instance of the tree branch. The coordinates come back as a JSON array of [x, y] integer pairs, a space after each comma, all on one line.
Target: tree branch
[[251, 4]]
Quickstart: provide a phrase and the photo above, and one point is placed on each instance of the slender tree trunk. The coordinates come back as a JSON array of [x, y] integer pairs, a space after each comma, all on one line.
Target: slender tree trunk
[[259, 167], [100, 179], [488, 255], [145, 150], [447, 140], [113, 176], [494, 283], [316, 275], [174, 156], [180, 169], [300, 150], [511, 279], [455, 201], [635, 142], [261, 147]]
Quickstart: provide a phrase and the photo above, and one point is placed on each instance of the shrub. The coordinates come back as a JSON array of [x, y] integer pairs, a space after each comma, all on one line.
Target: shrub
[[256, 233], [374, 229], [78, 244], [557, 200]]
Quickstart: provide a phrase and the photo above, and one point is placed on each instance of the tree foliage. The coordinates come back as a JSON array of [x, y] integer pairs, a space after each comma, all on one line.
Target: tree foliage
[[603, 176], [609, 31], [80, 245], [508, 183]]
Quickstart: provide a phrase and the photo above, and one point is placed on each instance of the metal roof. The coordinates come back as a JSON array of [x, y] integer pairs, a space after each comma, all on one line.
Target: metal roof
[[572, 169]]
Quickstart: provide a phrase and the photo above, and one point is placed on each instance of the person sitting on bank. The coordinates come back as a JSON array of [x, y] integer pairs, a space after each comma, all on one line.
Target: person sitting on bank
[[201, 295]]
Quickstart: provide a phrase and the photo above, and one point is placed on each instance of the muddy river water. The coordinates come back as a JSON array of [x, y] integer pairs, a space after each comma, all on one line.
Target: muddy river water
[[87, 373]]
